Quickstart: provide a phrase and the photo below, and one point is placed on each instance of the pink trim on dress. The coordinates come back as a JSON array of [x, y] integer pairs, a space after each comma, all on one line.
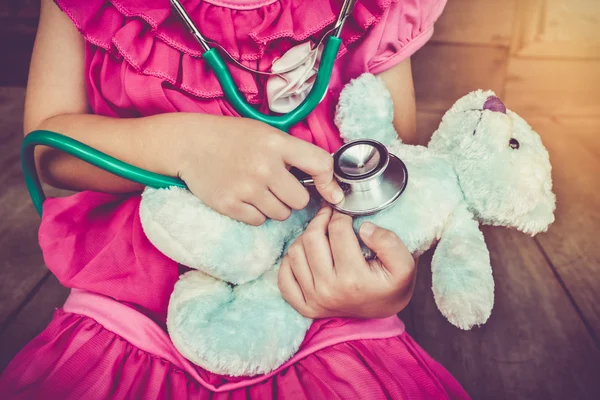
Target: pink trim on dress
[[241, 4], [146, 335]]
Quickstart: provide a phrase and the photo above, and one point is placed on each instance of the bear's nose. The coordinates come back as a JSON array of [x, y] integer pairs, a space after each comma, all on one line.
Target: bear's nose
[[493, 103]]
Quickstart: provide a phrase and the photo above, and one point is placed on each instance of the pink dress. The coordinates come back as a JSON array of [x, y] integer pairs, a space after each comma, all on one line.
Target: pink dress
[[109, 339]]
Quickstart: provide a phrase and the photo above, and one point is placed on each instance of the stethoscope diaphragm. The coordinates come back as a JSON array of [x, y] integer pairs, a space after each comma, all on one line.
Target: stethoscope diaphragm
[[371, 177]]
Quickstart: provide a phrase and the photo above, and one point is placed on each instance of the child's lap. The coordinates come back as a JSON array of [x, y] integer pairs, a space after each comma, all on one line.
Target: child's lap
[[76, 357]]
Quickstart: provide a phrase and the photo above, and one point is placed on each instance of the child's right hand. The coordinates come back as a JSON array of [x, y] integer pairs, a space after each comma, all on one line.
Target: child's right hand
[[240, 168]]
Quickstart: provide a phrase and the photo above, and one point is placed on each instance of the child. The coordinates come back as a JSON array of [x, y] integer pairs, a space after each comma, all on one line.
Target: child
[[125, 77]]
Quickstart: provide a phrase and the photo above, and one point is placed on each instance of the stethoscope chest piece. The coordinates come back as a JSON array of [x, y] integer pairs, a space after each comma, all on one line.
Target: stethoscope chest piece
[[372, 178]]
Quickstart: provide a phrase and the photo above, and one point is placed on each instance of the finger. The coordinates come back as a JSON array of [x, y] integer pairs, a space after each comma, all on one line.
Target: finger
[[241, 211], [290, 191], [298, 261], [290, 289], [328, 188], [316, 245], [271, 206], [344, 243], [388, 247], [403, 283], [321, 220], [317, 163]]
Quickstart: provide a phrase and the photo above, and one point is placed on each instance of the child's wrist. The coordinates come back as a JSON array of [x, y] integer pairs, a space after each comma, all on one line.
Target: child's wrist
[[172, 142]]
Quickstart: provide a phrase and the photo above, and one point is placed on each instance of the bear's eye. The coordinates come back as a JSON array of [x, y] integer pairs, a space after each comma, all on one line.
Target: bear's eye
[[514, 144]]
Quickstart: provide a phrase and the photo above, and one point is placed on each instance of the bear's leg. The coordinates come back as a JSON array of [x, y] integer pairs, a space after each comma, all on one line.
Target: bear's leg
[[463, 285], [239, 330]]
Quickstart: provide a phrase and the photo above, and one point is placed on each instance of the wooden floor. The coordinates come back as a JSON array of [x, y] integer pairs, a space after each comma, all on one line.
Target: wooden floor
[[543, 338]]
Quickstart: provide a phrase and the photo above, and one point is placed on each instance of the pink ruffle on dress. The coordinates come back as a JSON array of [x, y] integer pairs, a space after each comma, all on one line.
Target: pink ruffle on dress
[[109, 339]]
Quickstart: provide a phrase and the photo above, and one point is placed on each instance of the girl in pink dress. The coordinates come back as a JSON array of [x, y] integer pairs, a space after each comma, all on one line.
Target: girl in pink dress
[[125, 77]]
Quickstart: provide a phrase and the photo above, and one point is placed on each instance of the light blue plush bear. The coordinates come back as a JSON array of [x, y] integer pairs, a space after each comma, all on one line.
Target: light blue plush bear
[[483, 164]]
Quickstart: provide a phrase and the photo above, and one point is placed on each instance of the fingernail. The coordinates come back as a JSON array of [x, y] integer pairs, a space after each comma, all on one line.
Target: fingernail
[[367, 229], [337, 196]]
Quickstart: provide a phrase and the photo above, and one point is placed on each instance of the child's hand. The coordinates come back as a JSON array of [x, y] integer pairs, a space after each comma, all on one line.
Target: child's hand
[[240, 168], [325, 274]]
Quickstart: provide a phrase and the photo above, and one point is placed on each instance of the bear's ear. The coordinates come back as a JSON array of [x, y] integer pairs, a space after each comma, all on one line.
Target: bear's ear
[[365, 111]]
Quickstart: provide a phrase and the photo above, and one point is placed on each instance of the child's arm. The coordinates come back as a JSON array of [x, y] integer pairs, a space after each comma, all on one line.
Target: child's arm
[[399, 82], [234, 165]]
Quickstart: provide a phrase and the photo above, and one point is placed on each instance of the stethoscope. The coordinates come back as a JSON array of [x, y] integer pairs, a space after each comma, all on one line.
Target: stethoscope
[[371, 177]]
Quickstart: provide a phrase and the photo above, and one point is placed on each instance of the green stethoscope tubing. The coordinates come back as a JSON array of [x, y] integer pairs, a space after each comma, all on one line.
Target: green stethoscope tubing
[[87, 154], [283, 122], [157, 181]]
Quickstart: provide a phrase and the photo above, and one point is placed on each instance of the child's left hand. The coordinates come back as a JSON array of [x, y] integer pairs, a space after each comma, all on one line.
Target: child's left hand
[[325, 274]]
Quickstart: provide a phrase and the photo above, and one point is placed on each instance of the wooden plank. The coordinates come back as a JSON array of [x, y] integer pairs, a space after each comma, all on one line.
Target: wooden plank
[[21, 266], [534, 345], [558, 29], [554, 87], [482, 22], [20, 8], [32, 319], [407, 316], [12, 101], [571, 243], [16, 44], [444, 73]]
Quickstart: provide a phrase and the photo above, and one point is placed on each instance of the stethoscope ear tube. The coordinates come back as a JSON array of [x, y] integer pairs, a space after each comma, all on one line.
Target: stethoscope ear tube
[[237, 100], [286, 121], [87, 154]]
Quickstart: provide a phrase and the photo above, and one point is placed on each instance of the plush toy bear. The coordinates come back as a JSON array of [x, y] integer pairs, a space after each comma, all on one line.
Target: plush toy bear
[[484, 164]]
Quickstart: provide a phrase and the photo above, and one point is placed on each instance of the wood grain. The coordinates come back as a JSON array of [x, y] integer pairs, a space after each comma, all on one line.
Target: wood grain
[[445, 73], [16, 44], [481, 22], [565, 29], [19, 8], [21, 265], [553, 87], [571, 242], [32, 319], [534, 345]]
